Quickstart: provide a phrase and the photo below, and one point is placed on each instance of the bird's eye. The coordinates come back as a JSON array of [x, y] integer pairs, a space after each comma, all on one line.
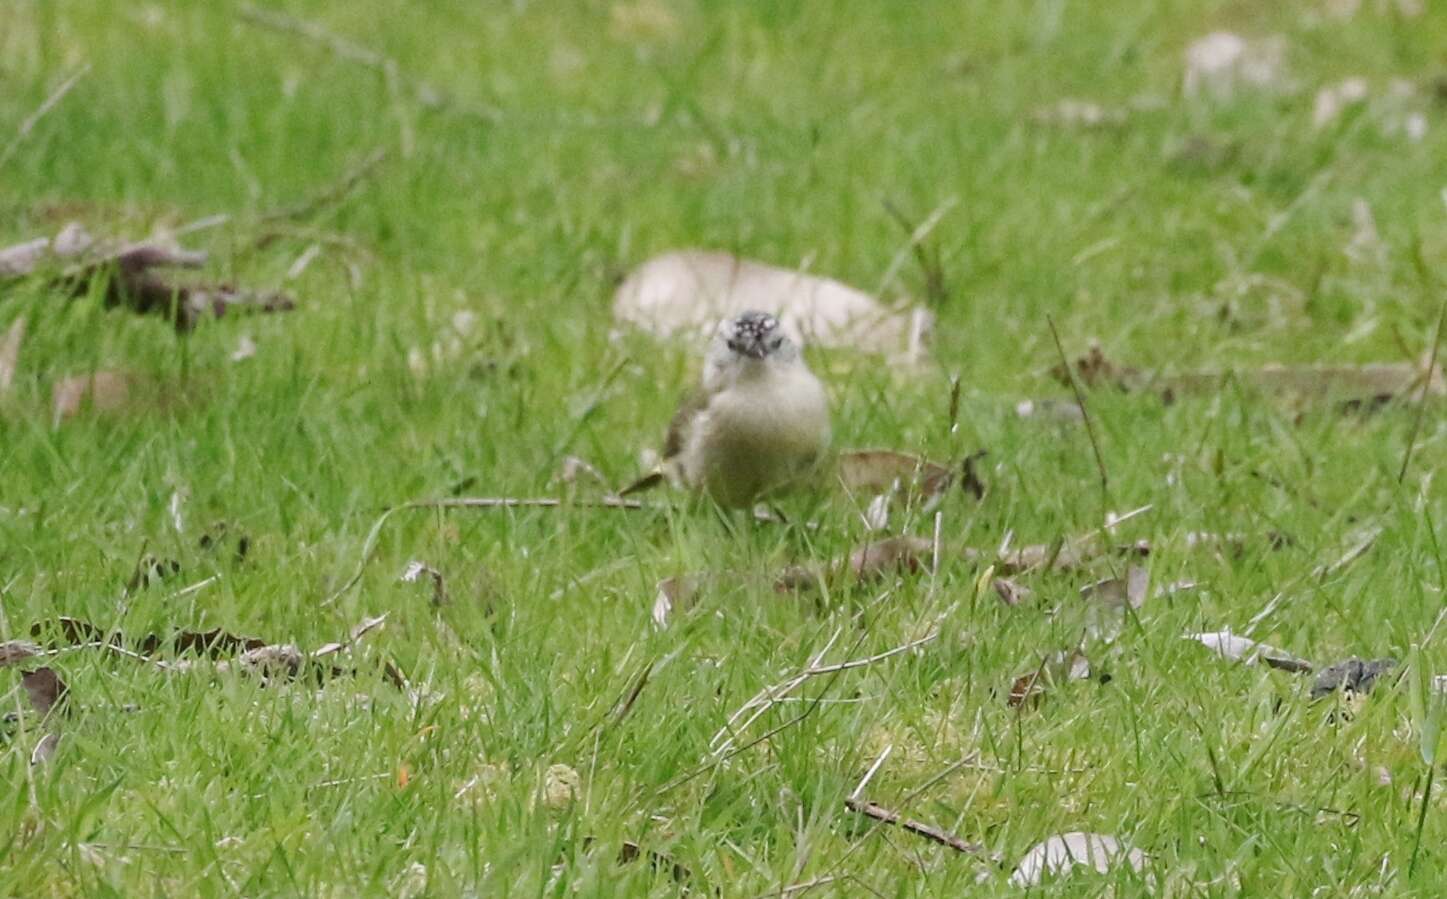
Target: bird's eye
[[776, 343]]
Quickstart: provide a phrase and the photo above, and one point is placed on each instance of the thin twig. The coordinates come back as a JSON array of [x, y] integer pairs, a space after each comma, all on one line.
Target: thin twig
[[28, 125], [111, 647], [1422, 398], [332, 192], [1084, 411], [772, 695], [869, 775], [196, 587], [870, 660], [324, 197], [1359, 549], [928, 831], [766, 736], [767, 696], [762, 738], [1319, 573], [345, 781]]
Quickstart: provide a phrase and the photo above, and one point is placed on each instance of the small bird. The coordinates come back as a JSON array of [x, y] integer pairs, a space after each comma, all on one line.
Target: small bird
[[758, 422]]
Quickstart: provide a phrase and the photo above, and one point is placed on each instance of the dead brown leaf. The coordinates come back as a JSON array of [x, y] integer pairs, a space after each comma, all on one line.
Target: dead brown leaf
[[1014, 561], [44, 749], [13, 651], [247, 654], [278, 661], [972, 483], [1094, 370], [1063, 666], [100, 391], [893, 555], [366, 626], [67, 630], [215, 536], [868, 563], [646, 482], [562, 786], [799, 579], [1010, 592], [213, 643], [631, 852], [151, 570], [1061, 556], [284, 661], [1118, 593], [245, 349], [1109, 599], [675, 593], [878, 471], [1064, 555], [417, 570], [45, 689], [1028, 687], [73, 259], [1168, 590], [1240, 649]]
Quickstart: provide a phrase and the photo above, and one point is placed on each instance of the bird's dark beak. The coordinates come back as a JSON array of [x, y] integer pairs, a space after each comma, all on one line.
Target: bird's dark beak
[[754, 346]]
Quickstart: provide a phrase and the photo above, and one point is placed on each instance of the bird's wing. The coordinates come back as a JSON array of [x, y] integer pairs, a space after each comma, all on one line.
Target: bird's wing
[[678, 429]]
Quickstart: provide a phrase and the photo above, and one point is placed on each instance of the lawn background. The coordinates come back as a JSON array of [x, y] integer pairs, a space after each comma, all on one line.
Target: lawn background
[[576, 140]]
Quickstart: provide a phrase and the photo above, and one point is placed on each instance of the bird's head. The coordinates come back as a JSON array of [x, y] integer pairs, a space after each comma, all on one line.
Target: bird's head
[[748, 346], [755, 335]]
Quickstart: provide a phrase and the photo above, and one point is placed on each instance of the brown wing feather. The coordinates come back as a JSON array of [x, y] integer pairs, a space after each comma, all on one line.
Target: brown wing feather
[[678, 428], [674, 442]]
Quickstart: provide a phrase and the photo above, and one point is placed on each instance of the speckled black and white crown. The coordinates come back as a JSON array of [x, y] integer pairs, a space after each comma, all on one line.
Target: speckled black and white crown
[[754, 334]]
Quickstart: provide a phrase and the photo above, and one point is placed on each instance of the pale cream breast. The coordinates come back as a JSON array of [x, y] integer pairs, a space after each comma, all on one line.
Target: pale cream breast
[[758, 436]]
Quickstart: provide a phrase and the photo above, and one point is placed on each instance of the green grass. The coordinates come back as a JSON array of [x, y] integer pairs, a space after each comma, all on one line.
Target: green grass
[[776, 130]]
